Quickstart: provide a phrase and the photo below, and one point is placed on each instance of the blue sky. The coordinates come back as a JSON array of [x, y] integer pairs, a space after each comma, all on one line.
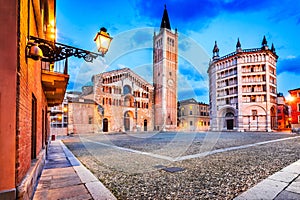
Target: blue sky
[[199, 22]]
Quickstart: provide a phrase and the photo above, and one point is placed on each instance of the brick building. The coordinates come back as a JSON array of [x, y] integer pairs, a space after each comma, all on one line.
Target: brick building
[[193, 115], [29, 86], [295, 108], [165, 69], [282, 113], [242, 89]]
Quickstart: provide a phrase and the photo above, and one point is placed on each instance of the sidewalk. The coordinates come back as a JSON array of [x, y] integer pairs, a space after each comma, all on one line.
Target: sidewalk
[[64, 177], [282, 185]]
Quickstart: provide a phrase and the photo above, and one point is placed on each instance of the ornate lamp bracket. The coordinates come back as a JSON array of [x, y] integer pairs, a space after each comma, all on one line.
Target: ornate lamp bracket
[[54, 51]]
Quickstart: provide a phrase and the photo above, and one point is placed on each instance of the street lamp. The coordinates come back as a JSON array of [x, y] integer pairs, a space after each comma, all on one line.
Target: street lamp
[[51, 51], [136, 113], [103, 40]]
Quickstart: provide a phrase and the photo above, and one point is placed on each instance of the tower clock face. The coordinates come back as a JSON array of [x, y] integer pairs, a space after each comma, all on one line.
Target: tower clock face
[[170, 82]]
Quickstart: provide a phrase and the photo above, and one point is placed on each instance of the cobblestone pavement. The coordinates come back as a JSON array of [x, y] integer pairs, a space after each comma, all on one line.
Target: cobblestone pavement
[[184, 166]]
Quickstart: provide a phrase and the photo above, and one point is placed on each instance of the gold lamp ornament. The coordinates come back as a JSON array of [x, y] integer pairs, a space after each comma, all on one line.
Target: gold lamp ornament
[[103, 40]]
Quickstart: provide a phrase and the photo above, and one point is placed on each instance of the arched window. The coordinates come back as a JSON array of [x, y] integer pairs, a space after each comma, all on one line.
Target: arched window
[[126, 89], [127, 101], [229, 114]]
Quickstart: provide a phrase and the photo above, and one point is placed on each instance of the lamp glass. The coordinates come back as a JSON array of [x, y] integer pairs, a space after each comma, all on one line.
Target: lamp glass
[[103, 42]]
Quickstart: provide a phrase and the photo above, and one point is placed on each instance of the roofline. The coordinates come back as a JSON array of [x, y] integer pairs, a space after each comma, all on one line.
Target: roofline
[[293, 89], [126, 70], [245, 51]]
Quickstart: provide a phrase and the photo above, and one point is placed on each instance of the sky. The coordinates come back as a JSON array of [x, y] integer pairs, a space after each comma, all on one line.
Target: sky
[[200, 23]]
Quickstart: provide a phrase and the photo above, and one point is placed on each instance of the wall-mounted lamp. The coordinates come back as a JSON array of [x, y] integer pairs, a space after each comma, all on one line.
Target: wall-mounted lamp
[[34, 51], [50, 51], [103, 40]]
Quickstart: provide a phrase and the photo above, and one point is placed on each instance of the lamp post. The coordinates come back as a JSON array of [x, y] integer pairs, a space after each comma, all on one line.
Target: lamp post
[[51, 51], [136, 114]]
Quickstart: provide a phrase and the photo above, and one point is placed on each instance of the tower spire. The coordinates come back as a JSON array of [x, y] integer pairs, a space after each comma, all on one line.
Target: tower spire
[[264, 43], [273, 48], [238, 46], [165, 22], [216, 51]]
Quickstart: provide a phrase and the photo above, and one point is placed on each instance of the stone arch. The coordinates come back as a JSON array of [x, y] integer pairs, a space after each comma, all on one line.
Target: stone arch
[[128, 120], [128, 101], [228, 118]]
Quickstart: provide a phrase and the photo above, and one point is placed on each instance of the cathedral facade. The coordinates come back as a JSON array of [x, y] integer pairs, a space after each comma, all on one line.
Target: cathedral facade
[[125, 101]]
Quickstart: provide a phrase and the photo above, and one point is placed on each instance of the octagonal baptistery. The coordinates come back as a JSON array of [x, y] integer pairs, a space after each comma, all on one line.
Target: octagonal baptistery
[[243, 89]]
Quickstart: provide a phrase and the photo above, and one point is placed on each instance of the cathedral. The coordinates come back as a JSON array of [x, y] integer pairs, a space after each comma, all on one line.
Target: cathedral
[[127, 102]]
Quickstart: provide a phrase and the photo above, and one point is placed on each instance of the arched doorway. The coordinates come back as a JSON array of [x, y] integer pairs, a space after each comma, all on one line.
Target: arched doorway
[[273, 118], [229, 117], [145, 125], [127, 121], [105, 125]]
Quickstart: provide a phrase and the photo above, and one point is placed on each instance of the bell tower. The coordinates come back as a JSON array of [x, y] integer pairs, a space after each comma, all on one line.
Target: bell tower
[[165, 66]]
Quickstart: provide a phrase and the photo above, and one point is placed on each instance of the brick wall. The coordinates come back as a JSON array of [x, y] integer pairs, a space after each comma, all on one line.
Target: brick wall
[[8, 66], [30, 86]]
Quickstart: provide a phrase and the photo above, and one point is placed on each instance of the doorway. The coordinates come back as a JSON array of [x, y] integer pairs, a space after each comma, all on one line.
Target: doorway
[[229, 117], [33, 126], [105, 125], [127, 121], [145, 125], [229, 124]]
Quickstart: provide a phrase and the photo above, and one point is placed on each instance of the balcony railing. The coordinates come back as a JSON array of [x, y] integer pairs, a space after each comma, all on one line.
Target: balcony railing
[[54, 80]]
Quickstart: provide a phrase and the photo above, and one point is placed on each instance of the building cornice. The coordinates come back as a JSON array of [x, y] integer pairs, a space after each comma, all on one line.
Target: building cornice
[[243, 52]]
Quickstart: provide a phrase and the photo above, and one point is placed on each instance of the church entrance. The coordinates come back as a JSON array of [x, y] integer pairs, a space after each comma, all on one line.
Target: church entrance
[[105, 125], [229, 124], [145, 125], [127, 121], [229, 117]]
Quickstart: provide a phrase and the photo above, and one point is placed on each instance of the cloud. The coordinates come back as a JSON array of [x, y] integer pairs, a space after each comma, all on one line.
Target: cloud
[[184, 45], [84, 72], [200, 94], [291, 65], [190, 72], [180, 11], [197, 14], [285, 82], [191, 87], [141, 37], [246, 5]]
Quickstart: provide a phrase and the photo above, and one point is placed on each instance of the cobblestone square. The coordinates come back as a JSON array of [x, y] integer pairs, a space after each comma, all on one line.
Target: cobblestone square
[[215, 165]]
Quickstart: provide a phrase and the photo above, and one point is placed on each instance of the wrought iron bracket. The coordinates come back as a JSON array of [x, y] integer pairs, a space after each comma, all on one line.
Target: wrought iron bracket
[[54, 51]]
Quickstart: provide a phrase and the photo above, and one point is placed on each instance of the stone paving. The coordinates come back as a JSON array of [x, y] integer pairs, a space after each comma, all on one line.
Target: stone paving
[[64, 177], [133, 168], [282, 185], [240, 172]]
